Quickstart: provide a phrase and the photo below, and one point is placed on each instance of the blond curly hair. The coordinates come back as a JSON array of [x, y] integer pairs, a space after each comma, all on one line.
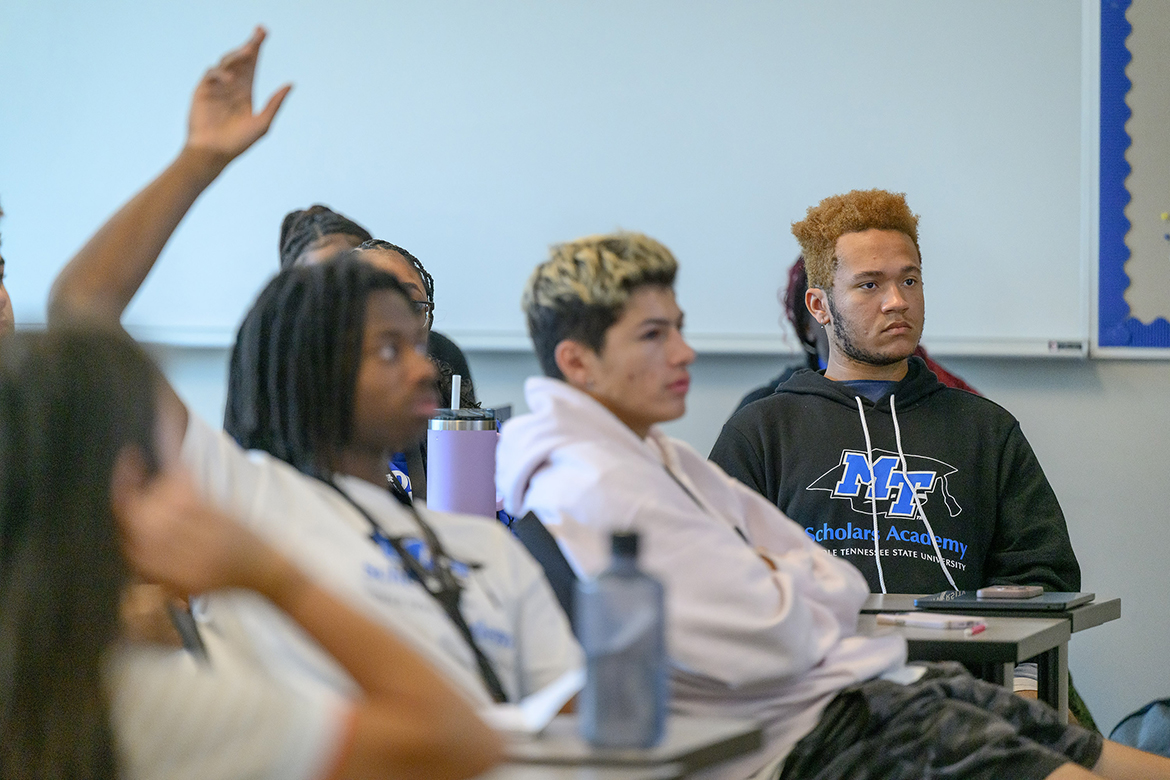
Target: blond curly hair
[[852, 212], [580, 291]]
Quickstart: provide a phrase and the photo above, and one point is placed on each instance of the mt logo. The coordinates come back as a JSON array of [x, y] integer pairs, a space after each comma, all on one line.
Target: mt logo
[[850, 480]]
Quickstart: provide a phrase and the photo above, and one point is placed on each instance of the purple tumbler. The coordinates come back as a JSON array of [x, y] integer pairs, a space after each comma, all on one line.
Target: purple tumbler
[[461, 461]]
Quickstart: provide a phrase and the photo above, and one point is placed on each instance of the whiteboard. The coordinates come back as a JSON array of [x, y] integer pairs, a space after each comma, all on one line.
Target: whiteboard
[[476, 134]]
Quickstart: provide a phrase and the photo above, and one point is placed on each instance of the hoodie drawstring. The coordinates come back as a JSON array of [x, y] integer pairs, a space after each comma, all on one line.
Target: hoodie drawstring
[[877, 558], [914, 493]]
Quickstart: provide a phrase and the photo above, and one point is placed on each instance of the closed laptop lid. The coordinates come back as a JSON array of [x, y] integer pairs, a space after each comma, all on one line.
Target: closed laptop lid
[[967, 601]]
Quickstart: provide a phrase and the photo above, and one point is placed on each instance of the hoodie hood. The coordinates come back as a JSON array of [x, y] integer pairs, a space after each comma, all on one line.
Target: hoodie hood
[[914, 389], [560, 415]]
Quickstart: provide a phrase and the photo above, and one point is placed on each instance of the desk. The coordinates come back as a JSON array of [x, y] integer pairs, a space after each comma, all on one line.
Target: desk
[[992, 653], [1080, 618], [1052, 690], [689, 744], [562, 772]]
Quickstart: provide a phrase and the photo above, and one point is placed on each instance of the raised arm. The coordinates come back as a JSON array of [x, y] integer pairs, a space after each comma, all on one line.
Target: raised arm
[[102, 278], [411, 723]]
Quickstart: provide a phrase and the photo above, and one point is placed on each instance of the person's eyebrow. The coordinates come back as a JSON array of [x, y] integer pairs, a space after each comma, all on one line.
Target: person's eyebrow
[[865, 275], [388, 333]]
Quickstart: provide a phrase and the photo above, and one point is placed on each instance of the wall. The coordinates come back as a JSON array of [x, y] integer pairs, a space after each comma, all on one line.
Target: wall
[[1098, 427]]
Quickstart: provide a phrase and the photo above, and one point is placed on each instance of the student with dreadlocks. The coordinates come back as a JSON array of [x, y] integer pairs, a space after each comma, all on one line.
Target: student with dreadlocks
[[91, 494], [317, 234], [329, 376]]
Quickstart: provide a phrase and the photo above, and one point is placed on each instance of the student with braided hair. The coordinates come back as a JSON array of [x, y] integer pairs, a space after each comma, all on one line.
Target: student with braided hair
[[409, 270], [318, 234], [329, 376]]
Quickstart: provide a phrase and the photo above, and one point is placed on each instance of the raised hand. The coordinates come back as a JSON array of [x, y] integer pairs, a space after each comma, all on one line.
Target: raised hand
[[222, 121]]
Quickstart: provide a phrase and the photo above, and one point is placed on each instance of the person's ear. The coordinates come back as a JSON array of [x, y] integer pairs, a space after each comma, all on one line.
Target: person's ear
[[817, 302], [575, 361]]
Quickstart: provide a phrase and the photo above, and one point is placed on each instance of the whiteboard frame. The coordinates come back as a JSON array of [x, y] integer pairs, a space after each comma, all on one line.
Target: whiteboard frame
[[1093, 42]]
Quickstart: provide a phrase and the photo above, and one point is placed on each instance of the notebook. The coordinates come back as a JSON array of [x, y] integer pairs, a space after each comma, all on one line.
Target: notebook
[[967, 601]]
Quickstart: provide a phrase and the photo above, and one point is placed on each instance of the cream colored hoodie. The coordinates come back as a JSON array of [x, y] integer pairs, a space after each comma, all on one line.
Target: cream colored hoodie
[[760, 619]]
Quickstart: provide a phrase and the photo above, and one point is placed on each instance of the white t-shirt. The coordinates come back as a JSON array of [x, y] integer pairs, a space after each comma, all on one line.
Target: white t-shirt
[[507, 601], [173, 718]]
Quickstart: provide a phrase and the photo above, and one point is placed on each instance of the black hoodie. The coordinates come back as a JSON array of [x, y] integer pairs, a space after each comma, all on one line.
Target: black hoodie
[[994, 515]]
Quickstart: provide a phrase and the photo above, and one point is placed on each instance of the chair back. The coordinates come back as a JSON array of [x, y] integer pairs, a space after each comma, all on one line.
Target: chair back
[[543, 547]]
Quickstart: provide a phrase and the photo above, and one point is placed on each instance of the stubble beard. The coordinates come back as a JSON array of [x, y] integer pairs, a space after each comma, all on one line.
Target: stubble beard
[[848, 345]]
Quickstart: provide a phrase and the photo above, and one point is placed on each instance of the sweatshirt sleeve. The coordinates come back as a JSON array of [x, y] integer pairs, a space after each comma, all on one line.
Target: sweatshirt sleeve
[[734, 615], [830, 582], [1031, 544]]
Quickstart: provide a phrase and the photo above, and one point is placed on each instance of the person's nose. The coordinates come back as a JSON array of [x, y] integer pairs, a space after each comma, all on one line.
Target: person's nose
[[423, 368], [682, 353], [895, 299]]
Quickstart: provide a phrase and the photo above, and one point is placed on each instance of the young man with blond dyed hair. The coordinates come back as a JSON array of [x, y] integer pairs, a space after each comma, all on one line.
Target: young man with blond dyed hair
[[922, 487], [761, 619]]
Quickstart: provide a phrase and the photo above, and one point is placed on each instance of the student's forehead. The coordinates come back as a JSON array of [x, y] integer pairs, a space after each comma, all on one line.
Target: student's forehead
[[653, 302], [880, 263], [879, 269], [875, 243], [389, 313], [336, 239], [394, 264]]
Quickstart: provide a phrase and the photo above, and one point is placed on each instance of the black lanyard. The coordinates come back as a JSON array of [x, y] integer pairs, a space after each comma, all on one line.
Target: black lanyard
[[439, 580]]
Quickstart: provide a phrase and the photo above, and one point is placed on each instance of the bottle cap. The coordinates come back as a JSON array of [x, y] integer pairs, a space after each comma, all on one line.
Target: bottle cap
[[625, 544]]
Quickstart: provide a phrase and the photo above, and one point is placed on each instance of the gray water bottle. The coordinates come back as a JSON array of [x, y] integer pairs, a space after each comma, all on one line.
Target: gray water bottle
[[621, 623]]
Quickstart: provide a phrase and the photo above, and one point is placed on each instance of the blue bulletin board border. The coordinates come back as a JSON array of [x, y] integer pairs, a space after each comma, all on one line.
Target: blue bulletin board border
[[1115, 328]]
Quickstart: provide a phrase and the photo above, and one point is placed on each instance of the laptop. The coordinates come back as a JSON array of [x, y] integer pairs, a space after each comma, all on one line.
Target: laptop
[[967, 601]]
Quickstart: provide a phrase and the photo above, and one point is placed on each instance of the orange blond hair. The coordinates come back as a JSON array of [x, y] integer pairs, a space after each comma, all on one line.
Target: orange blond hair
[[852, 212]]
